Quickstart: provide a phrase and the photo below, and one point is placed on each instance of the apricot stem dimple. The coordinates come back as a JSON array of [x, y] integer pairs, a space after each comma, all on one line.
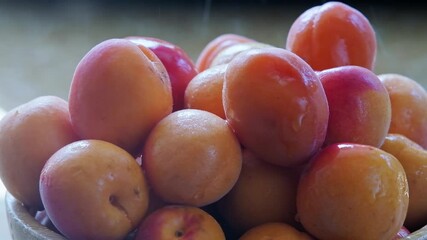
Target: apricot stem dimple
[[115, 203], [179, 233]]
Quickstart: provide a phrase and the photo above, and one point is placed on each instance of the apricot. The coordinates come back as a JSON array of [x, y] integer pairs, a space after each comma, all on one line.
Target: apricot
[[227, 54], [119, 91], [178, 64], [331, 35], [353, 191], [263, 193], [274, 231], [204, 91], [408, 106], [359, 106], [181, 223], [29, 134], [276, 105], [216, 45], [414, 160], [93, 189], [192, 157]]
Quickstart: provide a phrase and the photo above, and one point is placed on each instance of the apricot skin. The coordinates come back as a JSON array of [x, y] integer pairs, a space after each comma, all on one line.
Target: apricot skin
[[118, 93], [353, 191], [276, 104], [414, 160], [359, 106], [263, 193], [408, 107], [192, 157], [215, 46], [331, 35], [29, 135]]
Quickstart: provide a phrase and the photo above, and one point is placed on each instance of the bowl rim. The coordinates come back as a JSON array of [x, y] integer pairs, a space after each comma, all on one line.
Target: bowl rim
[[21, 222]]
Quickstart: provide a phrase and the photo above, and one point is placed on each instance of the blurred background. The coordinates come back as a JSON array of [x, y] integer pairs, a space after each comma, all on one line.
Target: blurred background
[[41, 42]]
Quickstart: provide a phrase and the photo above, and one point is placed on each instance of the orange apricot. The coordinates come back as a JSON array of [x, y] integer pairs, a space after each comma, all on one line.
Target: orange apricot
[[353, 191], [408, 107], [215, 46], [118, 93], [204, 91], [275, 231], [29, 134], [192, 157], [276, 104], [331, 35], [414, 160], [227, 54], [263, 193]]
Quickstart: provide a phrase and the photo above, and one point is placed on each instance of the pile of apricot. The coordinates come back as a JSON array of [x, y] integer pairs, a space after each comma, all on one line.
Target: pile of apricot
[[251, 141]]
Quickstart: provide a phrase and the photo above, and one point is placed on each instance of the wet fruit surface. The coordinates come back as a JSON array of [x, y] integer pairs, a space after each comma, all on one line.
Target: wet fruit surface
[[276, 104], [352, 189]]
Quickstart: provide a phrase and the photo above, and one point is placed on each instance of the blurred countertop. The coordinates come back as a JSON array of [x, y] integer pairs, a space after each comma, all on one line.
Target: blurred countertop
[[42, 41]]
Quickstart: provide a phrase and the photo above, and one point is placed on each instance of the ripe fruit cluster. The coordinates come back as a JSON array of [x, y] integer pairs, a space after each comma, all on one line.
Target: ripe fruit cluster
[[303, 141]]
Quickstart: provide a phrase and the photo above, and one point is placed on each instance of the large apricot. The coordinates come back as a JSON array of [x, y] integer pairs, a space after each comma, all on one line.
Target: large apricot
[[414, 160], [29, 134], [332, 35], [93, 189], [192, 157], [353, 191], [276, 104], [408, 107], [118, 93]]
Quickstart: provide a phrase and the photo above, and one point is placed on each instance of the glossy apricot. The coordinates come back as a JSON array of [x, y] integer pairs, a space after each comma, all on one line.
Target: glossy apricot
[[359, 106], [331, 35], [192, 157], [276, 104], [353, 191], [119, 91], [408, 107], [93, 189], [178, 64], [414, 160]]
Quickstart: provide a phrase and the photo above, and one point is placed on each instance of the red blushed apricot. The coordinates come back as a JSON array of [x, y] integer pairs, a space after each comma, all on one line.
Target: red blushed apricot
[[118, 93], [359, 106], [331, 35], [215, 46], [276, 104], [408, 107], [178, 64], [353, 191]]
